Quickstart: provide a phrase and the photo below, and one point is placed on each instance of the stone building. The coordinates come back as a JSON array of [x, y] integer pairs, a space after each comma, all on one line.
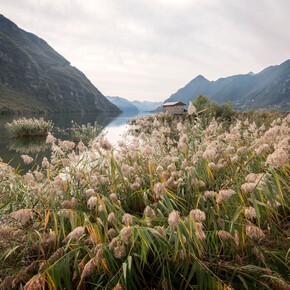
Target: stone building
[[174, 108]]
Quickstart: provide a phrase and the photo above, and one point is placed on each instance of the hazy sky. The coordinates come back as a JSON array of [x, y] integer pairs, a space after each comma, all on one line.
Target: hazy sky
[[148, 49]]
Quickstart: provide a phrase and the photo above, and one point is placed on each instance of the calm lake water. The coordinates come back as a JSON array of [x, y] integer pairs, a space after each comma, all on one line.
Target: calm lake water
[[12, 148]]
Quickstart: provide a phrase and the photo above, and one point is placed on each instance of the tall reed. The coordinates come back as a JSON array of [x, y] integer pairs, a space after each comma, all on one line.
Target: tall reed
[[174, 206]]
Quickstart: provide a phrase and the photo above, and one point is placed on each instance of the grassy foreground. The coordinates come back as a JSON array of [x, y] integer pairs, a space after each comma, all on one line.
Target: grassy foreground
[[191, 205]]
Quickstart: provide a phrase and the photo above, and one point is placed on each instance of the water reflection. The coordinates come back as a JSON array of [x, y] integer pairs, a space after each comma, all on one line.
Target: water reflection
[[118, 127], [115, 125], [28, 145]]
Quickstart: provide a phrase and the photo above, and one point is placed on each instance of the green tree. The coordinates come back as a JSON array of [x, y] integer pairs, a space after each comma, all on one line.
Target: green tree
[[201, 102], [212, 109], [227, 110]]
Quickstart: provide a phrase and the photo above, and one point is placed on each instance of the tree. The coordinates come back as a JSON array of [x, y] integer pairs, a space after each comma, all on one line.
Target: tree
[[224, 111], [227, 110], [201, 102]]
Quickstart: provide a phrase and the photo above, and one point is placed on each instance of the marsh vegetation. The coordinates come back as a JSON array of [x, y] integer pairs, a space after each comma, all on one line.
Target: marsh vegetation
[[198, 204], [27, 127]]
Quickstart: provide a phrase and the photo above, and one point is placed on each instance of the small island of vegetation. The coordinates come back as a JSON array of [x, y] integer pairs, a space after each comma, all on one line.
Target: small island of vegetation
[[27, 127]]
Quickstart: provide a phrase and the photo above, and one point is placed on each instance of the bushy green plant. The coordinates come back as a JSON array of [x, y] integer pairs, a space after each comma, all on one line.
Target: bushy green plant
[[208, 109], [23, 127], [179, 206]]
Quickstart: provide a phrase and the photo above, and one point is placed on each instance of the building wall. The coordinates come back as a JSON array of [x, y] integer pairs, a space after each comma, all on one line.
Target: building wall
[[174, 110]]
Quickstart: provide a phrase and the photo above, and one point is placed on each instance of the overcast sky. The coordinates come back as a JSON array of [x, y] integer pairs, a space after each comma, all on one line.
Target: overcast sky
[[148, 49]]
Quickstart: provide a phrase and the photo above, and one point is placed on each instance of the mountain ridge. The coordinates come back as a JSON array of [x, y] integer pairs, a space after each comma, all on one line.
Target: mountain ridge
[[122, 103], [36, 78], [134, 106], [146, 106], [268, 89]]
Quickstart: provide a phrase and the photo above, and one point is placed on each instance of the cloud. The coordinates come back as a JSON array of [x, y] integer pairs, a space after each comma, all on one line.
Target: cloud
[[141, 49]]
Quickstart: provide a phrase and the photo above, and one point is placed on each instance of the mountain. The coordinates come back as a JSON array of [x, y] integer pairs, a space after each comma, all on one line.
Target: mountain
[[159, 109], [146, 106], [269, 89], [191, 90], [35, 78], [134, 106], [123, 104]]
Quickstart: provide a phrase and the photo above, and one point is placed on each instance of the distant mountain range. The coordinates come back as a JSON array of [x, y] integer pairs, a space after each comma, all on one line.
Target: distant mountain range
[[35, 78], [268, 89], [134, 106], [123, 104], [146, 106]]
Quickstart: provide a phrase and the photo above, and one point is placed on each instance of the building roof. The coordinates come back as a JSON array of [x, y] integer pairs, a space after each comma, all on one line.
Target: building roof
[[169, 104]]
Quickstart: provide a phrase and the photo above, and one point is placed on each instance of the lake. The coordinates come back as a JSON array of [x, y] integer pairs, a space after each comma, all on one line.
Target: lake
[[11, 148]]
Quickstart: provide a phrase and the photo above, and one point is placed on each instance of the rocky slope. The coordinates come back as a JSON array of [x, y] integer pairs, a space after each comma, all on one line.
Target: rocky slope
[[35, 78]]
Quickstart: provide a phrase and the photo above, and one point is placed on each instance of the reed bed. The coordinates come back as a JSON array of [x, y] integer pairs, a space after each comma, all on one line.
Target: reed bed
[[175, 206], [84, 132], [23, 127]]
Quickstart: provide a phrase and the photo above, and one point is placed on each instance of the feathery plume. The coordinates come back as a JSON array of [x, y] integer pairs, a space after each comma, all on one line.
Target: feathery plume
[[126, 233], [248, 187], [254, 232], [45, 162], [90, 192], [118, 287], [159, 189], [173, 219], [149, 212], [197, 215], [26, 159], [113, 196], [225, 235], [119, 252], [112, 233], [250, 213], [76, 233], [22, 215], [161, 231], [127, 218], [225, 195], [35, 283], [92, 202], [191, 109], [111, 217]]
